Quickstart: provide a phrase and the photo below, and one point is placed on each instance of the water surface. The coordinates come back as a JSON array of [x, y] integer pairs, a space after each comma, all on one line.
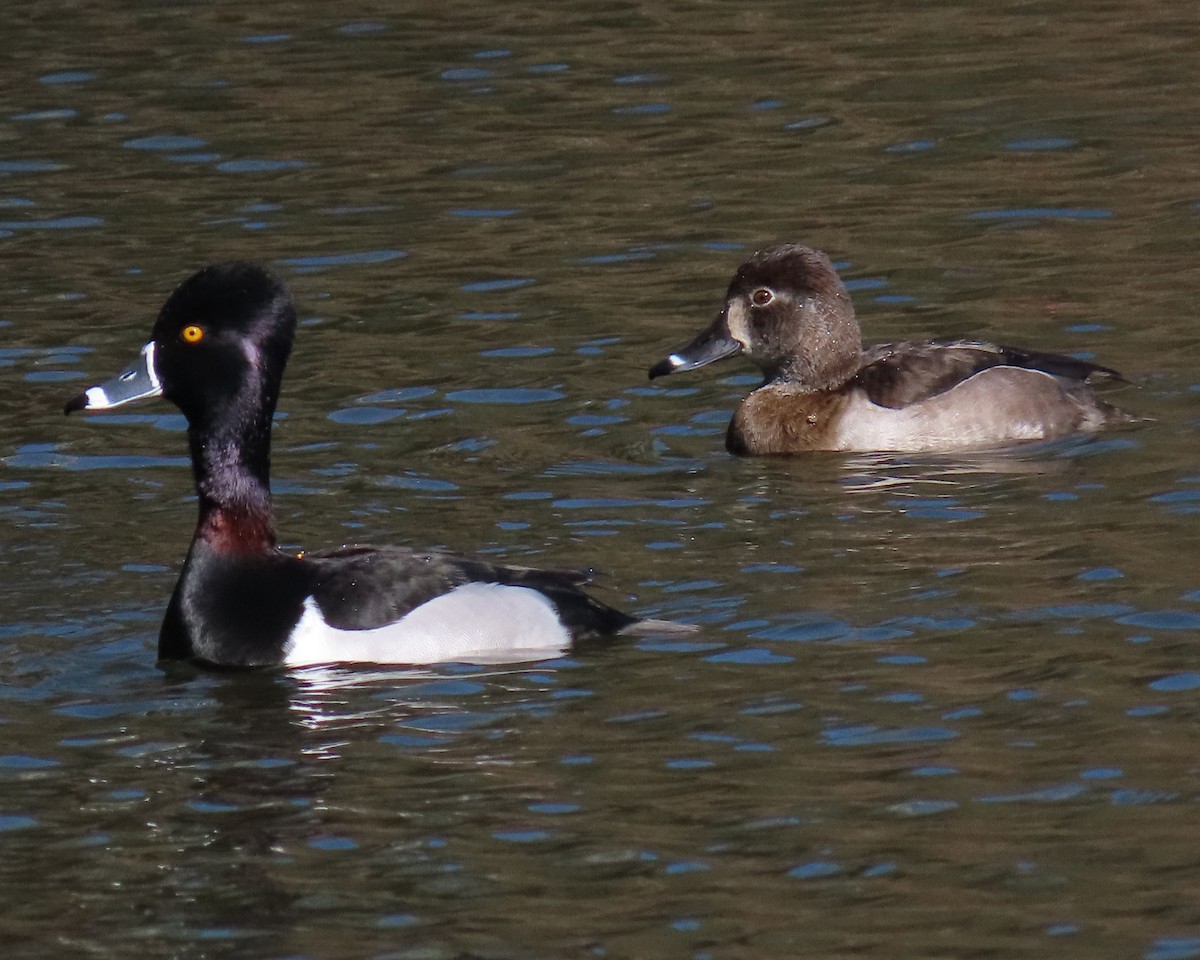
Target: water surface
[[938, 707]]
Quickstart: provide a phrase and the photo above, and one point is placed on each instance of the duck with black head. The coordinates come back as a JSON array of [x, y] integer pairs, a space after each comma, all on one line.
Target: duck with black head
[[787, 310], [218, 351]]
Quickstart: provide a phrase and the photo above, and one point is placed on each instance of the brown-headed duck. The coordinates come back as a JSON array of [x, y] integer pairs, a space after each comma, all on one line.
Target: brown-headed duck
[[787, 310]]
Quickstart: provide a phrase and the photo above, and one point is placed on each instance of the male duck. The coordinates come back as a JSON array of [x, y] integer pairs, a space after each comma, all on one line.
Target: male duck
[[788, 311], [217, 352]]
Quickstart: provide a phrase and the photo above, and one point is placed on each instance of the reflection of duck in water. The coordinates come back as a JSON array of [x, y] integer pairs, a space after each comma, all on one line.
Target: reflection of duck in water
[[217, 352], [787, 310]]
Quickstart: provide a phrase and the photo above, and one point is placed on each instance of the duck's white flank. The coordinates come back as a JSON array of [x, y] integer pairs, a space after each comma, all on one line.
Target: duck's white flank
[[998, 405], [474, 623]]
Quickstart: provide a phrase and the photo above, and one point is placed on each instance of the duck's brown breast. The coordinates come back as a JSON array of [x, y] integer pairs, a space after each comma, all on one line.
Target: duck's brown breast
[[781, 419]]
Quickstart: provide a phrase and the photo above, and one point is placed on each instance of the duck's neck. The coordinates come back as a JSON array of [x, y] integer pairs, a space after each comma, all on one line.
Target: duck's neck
[[817, 374], [832, 349], [232, 469]]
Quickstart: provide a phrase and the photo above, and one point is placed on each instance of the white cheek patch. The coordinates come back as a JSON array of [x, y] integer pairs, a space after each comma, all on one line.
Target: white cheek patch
[[737, 322], [474, 623]]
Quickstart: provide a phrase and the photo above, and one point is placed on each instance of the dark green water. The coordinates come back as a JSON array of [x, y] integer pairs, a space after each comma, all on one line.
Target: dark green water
[[938, 708]]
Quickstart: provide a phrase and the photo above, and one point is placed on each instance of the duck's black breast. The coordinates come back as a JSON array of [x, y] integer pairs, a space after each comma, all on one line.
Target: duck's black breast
[[897, 375], [234, 609]]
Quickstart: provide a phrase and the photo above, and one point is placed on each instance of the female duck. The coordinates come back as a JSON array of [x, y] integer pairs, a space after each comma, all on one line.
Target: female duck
[[787, 310], [217, 352]]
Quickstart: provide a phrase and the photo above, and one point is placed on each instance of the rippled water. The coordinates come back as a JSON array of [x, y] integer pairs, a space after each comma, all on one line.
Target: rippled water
[[939, 707]]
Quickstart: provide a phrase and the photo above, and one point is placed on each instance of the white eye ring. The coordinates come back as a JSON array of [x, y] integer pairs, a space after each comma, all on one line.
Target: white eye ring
[[762, 296]]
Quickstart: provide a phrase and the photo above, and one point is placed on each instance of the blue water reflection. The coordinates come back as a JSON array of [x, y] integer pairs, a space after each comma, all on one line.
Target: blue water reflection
[[494, 221]]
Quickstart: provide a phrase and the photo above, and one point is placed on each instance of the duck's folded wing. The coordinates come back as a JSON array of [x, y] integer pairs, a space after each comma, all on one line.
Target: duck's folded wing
[[899, 374], [362, 588]]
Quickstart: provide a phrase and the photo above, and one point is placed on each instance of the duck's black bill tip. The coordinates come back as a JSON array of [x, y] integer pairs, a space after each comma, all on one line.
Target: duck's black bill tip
[[712, 345], [76, 403], [662, 368]]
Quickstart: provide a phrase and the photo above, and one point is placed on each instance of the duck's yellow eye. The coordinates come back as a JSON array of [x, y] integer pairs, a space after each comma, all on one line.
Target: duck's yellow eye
[[192, 334]]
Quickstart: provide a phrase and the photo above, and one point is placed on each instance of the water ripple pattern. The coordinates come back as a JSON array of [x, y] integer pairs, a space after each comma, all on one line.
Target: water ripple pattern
[[936, 706]]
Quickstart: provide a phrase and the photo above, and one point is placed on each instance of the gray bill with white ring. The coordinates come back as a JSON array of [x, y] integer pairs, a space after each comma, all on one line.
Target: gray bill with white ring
[[136, 382]]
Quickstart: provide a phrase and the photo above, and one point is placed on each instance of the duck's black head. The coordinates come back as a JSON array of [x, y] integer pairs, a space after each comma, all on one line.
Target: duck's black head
[[787, 310], [221, 342], [217, 350]]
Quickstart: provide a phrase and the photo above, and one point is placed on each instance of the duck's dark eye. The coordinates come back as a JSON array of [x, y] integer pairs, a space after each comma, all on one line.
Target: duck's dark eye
[[761, 297], [192, 334]]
